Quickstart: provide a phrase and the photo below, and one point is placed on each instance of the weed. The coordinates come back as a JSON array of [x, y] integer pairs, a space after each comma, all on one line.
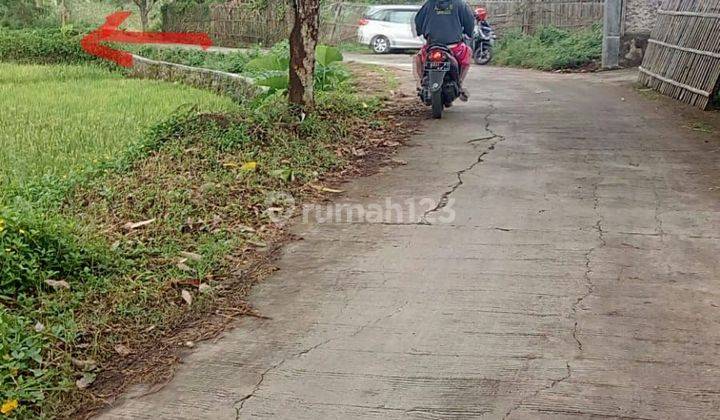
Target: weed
[[549, 48]]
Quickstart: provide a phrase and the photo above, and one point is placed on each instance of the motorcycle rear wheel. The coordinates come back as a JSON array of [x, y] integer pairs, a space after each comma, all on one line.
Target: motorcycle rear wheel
[[437, 105]]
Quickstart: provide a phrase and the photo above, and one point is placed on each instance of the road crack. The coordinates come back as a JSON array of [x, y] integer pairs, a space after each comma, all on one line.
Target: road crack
[[239, 404], [550, 386], [494, 139]]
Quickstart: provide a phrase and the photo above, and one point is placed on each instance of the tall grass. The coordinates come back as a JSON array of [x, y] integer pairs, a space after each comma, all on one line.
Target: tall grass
[[550, 48], [57, 120]]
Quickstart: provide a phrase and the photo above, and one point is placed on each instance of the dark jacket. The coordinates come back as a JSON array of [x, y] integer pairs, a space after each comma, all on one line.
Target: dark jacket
[[445, 21]]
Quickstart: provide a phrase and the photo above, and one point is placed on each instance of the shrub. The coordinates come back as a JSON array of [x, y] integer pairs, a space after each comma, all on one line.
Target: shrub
[[35, 247], [550, 48], [43, 46]]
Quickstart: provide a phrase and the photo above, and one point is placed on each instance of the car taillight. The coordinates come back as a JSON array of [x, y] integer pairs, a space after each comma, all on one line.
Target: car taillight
[[437, 56], [363, 22]]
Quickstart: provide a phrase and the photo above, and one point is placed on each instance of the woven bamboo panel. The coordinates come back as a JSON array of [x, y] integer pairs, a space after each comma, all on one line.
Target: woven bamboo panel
[[683, 54]]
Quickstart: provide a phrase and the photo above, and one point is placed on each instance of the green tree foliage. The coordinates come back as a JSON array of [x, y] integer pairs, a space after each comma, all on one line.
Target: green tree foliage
[[24, 14]]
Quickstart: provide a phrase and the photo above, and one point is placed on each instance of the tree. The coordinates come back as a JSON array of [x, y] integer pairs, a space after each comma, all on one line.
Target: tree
[[303, 40], [145, 6]]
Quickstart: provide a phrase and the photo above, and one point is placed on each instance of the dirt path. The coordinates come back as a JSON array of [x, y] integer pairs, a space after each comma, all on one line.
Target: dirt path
[[577, 279]]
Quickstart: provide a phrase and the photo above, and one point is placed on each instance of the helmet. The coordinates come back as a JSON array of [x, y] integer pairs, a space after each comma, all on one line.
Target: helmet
[[480, 13]]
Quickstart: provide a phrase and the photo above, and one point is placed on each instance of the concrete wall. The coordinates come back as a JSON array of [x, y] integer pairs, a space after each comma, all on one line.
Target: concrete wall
[[639, 17], [237, 87]]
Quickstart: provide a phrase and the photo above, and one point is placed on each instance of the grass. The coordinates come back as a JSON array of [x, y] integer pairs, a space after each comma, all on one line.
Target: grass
[[186, 177], [59, 120], [549, 48], [231, 62]]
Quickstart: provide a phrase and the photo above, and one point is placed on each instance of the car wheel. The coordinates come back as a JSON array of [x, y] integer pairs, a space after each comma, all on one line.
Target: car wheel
[[380, 45]]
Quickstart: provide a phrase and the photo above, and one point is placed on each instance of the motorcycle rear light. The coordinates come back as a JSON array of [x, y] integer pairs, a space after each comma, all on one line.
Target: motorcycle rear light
[[363, 22], [437, 56]]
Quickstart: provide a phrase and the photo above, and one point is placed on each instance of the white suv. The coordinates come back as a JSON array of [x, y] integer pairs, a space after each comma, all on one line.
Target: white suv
[[385, 28]]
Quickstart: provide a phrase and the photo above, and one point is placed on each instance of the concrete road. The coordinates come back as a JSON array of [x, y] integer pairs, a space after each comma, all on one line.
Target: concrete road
[[568, 269]]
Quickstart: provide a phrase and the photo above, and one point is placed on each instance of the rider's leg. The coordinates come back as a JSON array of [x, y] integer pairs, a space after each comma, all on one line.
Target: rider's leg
[[418, 69], [463, 55]]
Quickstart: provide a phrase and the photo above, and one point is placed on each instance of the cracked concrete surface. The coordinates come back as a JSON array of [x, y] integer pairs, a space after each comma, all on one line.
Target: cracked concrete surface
[[577, 279]]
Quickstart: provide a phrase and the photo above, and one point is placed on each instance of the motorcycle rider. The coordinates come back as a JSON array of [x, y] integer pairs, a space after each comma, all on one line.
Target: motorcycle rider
[[445, 22], [481, 17]]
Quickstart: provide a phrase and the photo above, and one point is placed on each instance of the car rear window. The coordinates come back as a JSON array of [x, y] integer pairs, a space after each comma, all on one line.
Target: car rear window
[[402, 16], [392, 15]]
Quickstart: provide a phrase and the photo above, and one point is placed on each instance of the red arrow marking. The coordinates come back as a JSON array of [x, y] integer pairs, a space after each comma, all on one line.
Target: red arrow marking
[[109, 33]]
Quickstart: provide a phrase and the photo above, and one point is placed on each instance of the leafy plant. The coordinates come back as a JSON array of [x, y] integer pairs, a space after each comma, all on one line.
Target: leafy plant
[[35, 247], [271, 70]]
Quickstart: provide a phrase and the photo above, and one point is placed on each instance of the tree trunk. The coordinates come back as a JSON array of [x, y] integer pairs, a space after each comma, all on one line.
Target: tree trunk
[[144, 12], [303, 40]]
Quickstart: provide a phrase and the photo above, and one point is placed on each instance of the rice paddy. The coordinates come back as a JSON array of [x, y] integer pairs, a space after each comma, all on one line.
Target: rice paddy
[[56, 120]]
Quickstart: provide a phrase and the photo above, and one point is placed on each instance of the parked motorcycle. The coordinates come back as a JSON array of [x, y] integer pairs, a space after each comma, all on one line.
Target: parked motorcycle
[[441, 79], [483, 41]]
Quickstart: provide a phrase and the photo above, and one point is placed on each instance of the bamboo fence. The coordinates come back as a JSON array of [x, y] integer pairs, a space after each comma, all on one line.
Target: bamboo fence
[[683, 54], [240, 22]]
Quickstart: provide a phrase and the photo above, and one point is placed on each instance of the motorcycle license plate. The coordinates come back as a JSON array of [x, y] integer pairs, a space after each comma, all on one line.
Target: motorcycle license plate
[[443, 66]]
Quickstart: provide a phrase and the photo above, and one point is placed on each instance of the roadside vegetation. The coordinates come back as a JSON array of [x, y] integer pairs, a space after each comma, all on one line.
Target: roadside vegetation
[[550, 48], [135, 214]]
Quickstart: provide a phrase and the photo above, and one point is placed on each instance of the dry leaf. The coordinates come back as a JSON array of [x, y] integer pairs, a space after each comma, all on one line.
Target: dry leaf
[[244, 228], [187, 297], [122, 350], [249, 166], [85, 381], [325, 189], [204, 287], [58, 284], [131, 226], [184, 267], [8, 406], [259, 244], [39, 327], [191, 256], [88, 364]]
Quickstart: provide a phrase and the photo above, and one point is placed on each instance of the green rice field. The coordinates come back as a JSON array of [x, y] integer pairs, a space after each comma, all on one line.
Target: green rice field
[[57, 120]]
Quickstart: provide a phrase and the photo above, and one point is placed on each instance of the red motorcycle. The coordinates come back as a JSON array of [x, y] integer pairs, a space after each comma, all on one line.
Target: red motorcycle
[[440, 82]]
